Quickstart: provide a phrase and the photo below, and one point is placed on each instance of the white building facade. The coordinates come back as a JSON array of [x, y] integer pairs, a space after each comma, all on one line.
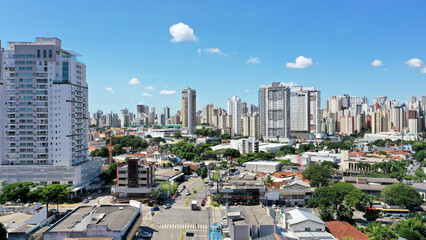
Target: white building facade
[[45, 107]]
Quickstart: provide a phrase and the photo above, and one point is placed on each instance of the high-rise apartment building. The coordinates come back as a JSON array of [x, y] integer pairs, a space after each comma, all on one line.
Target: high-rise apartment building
[[166, 112], [305, 109], [235, 111], [250, 123], [274, 111], [189, 110], [45, 114]]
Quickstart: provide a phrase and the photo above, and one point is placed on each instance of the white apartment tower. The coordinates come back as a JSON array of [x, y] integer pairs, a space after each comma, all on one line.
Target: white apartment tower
[[44, 109], [235, 110], [189, 110], [274, 111], [305, 109]]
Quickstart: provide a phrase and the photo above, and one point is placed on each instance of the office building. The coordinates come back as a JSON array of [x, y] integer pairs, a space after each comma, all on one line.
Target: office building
[[305, 109], [189, 110], [235, 111], [274, 111], [135, 179], [45, 114]]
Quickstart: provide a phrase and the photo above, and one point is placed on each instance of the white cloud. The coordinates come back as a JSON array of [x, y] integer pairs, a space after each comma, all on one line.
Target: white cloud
[[301, 62], [149, 88], [134, 81], [253, 60], [140, 103], [182, 32], [110, 90], [146, 95], [214, 50], [377, 63], [290, 84], [423, 70], [414, 63], [167, 92], [247, 90], [199, 51]]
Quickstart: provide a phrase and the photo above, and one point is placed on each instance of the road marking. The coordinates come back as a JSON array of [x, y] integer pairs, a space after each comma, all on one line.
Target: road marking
[[183, 226]]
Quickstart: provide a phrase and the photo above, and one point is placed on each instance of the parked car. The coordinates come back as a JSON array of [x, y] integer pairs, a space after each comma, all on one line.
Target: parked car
[[85, 201], [155, 209], [145, 235], [175, 195], [167, 206], [187, 193]]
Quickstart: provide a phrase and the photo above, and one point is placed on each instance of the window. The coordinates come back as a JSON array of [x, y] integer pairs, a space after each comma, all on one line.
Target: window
[[307, 229], [44, 53], [38, 53], [50, 53]]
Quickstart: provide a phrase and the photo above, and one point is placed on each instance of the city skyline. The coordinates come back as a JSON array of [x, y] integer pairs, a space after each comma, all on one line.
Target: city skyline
[[162, 51]]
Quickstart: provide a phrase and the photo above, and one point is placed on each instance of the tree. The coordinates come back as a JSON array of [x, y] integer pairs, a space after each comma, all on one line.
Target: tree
[[205, 132], [230, 152], [225, 136], [118, 150], [100, 152], [330, 164], [401, 194], [420, 156], [159, 140], [337, 201], [51, 194], [285, 150], [17, 192], [112, 170], [203, 173], [376, 231], [268, 180], [177, 135], [3, 231], [317, 174]]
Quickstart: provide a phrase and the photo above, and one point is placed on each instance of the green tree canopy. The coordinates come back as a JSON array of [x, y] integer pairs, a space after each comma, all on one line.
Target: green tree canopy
[[159, 140], [230, 152], [318, 175], [100, 152], [16, 192], [3, 231], [206, 132], [225, 136], [337, 201], [401, 194], [203, 173]]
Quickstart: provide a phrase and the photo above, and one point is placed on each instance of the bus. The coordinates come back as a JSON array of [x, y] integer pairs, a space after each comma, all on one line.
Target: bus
[[390, 212]]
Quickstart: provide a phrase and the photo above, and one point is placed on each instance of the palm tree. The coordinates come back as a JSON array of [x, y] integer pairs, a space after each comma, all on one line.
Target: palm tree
[[268, 180]]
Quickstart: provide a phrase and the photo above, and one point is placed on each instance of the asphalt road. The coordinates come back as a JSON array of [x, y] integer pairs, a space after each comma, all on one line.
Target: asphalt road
[[170, 223]]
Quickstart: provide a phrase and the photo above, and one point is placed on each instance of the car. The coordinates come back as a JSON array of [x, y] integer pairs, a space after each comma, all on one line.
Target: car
[[203, 203], [145, 235], [89, 198], [175, 195], [155, 209], [85, 201], [167, 206], [187, 193]]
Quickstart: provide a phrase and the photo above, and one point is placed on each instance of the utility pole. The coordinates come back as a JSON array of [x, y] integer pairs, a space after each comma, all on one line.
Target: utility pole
[[110, 147]]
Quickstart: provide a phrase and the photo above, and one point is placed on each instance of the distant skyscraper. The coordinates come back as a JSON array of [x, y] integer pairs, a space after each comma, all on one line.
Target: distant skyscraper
[[235, 110], [189, 109], [305, 109], [274, 111], [166, 112]]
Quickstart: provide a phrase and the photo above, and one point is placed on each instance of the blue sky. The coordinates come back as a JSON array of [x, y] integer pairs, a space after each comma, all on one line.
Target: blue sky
[[121, 40]]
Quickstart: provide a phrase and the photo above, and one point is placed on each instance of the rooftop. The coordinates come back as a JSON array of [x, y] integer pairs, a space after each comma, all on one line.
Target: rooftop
[[342, 230], [117, 218], [254, 215], [371, 180], [271, 163], [297, 216]]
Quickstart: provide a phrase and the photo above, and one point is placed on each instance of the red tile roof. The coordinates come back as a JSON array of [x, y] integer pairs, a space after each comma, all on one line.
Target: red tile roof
[[342, 229]]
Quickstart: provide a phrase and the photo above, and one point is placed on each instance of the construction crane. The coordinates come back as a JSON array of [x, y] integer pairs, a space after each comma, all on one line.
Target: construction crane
[[110, 147]]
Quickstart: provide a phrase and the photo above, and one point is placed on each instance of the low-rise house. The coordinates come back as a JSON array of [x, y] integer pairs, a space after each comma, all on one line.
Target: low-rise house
[[373, 186], [343, 230], [301, 224], [421, 187]]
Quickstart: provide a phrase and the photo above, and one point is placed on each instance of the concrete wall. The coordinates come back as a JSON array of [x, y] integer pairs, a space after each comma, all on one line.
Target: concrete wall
[[300, 227]]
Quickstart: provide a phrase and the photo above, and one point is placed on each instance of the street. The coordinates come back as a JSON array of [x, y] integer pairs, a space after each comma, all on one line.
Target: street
[[169, 223]]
